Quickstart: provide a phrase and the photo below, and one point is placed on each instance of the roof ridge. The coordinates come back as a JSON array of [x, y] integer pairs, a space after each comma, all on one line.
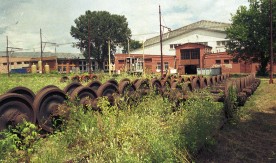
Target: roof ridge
[[199, 24]]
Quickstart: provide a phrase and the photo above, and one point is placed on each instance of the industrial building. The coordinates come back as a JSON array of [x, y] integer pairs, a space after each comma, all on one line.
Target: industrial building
[[198, 46]]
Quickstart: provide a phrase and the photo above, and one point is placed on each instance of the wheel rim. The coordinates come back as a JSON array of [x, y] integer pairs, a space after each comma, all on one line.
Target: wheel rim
[[14, 108], [29, 94], [48, 107], [94, 85], [71, 87], [85, 95]]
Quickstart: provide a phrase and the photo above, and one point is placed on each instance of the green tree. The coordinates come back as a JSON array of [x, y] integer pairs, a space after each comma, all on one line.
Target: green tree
[[249, 33], [133, 44], [103, 27]]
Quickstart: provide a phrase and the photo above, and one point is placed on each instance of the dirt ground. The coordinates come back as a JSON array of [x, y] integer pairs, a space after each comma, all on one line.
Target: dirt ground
[[251, 137]]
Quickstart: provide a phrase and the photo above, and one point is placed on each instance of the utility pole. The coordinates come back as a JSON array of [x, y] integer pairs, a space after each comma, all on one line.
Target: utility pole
[[89, 42], [109, 60], [128, 47], [161, 48], [41, 51], [8, 58], [271, 46], [144, 72]]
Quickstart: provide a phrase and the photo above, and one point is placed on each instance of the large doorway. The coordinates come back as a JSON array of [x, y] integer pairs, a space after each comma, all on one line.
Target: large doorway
[[190, 69]]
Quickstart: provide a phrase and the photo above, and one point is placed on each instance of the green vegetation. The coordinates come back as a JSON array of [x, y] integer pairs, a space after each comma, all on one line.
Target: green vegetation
[[249, 33], [152, 131], [250, 136]]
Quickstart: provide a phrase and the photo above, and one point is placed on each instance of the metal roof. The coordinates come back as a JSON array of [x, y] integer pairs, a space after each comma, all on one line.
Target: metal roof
[[45, 54], [203, 24]]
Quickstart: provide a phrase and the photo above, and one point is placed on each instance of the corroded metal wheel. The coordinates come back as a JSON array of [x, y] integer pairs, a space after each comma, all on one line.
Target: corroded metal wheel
[[108, 90], [71, 87], [203, 82], [156, 86], [124, 79], [85, 78], [29, 94], [113, 81], [85, 96], [93, 77], [49, 108], [75, 78], [48, 86], [14, 109], [94, 85], [142, 86], [126, 88], [195, 84], [64, 79]]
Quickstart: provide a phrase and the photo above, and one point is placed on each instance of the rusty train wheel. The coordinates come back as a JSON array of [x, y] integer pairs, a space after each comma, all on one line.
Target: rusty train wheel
[[126, 88], [48, 108], [108, 90], [156, 85], [195, 84], [48, 86], [14, 109], [124, 79], [209, 82], [142, 86], [85, 78], [29, 94], [75, 78], [64, 79], [166, 86], [214, 79], [203, 83], [187, 87], [85, 96], [135, 81], [71, 87], [113, 81], [94, 85], [93, 77]]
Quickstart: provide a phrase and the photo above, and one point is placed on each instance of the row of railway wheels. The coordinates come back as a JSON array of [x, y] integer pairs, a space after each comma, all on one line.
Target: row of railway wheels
[[78, 78], [48, 105], [245, 87]]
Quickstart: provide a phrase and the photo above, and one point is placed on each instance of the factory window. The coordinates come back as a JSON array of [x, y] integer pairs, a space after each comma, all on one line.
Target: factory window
[[4, 64], [18, 63], [26, 62], [226, 61], [185, 54], [121, 61], [12, 63], [218, 62], [195, 53], [166, 65], [158, 66], [148, 60]]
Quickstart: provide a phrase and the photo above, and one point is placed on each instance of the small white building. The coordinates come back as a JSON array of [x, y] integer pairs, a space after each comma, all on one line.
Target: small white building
[[204, 32]]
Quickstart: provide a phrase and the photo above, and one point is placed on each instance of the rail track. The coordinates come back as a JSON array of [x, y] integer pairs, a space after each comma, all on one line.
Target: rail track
[[49, 103]]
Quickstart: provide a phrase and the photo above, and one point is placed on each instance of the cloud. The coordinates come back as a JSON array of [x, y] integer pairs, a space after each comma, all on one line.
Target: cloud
[[21, 20]]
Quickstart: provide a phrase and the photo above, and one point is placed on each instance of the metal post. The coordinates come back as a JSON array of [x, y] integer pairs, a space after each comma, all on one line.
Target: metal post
[[89, 55], [161, 42], [41, 51], [109, 61], [8, 57], [271, 46], [128, 47], [144, 72]]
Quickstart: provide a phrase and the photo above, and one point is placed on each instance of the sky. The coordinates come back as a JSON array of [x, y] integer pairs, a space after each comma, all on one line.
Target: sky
[[21, 20]]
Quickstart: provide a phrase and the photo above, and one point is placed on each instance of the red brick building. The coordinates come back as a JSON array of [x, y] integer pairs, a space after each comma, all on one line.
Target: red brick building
[[188, 58]]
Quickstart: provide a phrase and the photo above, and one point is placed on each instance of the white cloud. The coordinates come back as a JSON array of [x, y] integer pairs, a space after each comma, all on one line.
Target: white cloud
[[56, 17]]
